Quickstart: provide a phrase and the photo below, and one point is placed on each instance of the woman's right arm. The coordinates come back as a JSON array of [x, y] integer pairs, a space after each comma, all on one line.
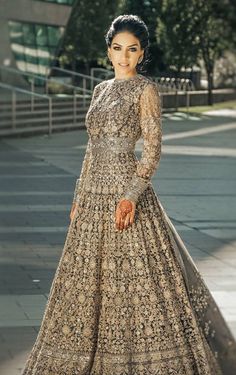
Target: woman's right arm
[[85, 165]]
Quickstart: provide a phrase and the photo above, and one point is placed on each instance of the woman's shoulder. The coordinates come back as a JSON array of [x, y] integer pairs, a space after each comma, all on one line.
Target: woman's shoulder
[[150, 82], [150, 89], [100, 85]]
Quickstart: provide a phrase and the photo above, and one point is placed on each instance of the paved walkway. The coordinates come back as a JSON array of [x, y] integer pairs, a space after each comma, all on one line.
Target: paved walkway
[[195, 183]]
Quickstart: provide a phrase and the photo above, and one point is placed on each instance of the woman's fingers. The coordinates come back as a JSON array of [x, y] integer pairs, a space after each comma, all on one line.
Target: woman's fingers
[[120, 220], [72, 215], [124, 220], [73, 210], [127, 220]]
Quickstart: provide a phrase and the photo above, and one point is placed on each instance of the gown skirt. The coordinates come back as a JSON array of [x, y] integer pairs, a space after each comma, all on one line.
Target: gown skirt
[[128, 302]]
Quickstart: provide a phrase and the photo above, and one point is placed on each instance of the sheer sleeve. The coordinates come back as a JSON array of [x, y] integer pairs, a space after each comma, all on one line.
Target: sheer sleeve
[[151, 127], [80, 181], [86, 162]]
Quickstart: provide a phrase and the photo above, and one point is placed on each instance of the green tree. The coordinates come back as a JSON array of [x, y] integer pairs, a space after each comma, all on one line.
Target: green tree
[[84, 36], [193, 29], [176, 34], [213, 35]]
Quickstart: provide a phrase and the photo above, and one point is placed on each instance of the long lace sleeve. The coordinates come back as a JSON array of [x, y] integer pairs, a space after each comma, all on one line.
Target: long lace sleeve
[[151, 126], [80, 181], [86, 162]]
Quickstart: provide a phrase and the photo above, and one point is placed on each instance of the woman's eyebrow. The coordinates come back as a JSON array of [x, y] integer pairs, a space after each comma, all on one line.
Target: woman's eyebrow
[[127, 46]]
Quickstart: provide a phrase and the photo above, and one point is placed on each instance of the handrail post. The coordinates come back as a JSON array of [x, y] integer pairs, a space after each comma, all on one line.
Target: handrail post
[[32, 96], [13, 109], [187, 102], [84, 90], [50, 116], [74, 107], [46, 86], [92, 79], [176, 99]]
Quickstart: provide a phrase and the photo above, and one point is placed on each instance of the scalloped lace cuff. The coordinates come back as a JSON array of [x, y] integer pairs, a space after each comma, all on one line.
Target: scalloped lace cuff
[[135, 188]]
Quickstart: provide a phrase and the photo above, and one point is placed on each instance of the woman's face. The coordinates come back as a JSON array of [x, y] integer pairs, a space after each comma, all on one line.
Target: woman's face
[[124, 54]]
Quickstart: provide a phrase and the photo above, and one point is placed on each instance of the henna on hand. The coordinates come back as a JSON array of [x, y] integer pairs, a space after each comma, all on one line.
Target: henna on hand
[[124, 213], [126, 207]]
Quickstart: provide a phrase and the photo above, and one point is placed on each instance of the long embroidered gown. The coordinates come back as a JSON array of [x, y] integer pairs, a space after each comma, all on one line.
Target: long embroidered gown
[[128, 302]]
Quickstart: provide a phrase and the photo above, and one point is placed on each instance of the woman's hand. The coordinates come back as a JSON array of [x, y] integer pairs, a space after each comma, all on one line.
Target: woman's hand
[[73, 210], [124, 216]]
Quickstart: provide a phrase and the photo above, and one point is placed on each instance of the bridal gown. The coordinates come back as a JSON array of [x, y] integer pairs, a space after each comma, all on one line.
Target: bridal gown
[[128, 302]]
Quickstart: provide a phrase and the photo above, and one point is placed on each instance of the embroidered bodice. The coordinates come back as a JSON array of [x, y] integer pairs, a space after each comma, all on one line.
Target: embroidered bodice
[[121, 111]]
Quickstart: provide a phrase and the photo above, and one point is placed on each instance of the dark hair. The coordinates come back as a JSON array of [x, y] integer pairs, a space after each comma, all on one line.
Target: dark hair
[[134, 25]]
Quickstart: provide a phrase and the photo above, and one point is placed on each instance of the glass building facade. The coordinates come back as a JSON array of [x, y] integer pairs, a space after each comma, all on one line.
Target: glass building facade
[[34, 45], [31, 33]]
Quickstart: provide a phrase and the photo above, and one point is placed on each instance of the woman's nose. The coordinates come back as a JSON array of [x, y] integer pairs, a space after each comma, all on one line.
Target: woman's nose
[[125, 53]]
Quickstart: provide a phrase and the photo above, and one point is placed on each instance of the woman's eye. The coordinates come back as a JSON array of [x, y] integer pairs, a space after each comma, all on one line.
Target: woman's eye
[[132, 49]]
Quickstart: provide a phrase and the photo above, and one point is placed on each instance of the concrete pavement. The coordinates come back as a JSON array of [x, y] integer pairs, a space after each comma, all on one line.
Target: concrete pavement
[[195, 183]]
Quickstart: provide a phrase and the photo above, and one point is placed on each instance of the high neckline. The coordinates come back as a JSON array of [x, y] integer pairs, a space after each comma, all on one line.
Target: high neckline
[[126, 79]]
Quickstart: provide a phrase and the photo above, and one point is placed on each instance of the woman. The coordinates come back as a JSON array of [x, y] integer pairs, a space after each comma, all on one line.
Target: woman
[[126, 297]]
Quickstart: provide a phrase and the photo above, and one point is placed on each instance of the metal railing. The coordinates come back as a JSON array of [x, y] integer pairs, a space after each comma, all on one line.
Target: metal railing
[[14, 90], [172, 84], [85, 78], [47, 80], [107, 74], [176, 86]]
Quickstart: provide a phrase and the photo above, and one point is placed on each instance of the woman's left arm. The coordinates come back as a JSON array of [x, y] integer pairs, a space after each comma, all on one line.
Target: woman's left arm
[[151, 125]]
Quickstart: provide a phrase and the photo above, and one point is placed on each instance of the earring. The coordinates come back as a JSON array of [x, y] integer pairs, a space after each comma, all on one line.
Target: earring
[[110, 61], [139, 61]]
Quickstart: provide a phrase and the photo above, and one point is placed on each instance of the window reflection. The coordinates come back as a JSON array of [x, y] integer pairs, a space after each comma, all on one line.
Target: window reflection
[[34, 45]]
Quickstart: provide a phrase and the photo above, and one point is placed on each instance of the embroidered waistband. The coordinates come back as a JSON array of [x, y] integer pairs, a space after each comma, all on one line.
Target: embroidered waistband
[[114, 144]]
